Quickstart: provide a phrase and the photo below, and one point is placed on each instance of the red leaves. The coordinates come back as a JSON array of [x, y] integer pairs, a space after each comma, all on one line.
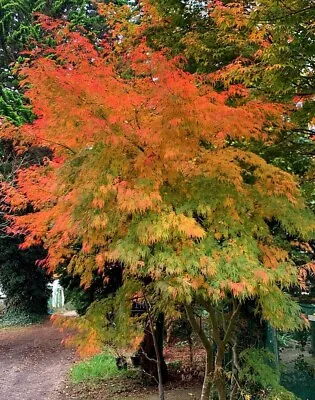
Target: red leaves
[[304, 272], [121, 127], [47, 23], [237, 288]]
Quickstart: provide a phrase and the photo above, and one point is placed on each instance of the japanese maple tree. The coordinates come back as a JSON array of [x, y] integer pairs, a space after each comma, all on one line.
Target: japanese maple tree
[[145, 173]]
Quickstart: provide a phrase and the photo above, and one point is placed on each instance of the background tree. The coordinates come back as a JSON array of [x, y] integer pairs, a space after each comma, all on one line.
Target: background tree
[[22, 280], [19, 31]]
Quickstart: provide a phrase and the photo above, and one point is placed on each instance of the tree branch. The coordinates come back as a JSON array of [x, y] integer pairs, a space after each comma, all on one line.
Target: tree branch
[[236, 309], [193, 322]]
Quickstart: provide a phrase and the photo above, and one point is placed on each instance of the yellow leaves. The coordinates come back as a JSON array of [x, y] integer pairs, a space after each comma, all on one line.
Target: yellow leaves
[[133, 200], [102, 195], [89, 345], [168, 226], [310, 267], [207, 266], [218, 235], [98, 202], [304, 246], [197, 282], [230, 16], [111, 255], [194, 46], [189, 227], [136, 342], [100, 221], [100, 261], [237, 288], [106, 256], [274, 67]]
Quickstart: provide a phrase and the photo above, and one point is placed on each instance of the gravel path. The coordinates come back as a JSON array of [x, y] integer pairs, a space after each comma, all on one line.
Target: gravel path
[[33, 363]]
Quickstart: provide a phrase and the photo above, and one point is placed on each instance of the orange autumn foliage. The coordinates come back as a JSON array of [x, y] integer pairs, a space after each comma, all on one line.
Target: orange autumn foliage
[[147, 171]]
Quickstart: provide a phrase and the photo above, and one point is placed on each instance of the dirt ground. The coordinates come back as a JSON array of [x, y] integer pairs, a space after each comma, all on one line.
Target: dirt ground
[[34, 366], [124, 389], [33, 363]]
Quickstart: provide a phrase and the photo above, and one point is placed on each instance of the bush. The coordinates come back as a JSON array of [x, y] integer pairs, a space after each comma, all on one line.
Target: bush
[[23, 282], [260, 378], [14, 318]]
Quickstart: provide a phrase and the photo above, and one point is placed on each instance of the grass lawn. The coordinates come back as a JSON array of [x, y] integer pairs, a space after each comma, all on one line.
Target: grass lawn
[[98, 378], [99, 367]]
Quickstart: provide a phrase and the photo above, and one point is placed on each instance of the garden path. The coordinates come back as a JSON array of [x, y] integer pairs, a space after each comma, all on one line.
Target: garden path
[[33, 363]]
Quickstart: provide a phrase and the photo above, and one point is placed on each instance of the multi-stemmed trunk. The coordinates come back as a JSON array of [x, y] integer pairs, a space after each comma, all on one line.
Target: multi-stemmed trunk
[[158, 348], [220, 335]]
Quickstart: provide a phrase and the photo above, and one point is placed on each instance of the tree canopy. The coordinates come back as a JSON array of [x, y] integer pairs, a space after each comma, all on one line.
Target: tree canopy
[[152, 170]]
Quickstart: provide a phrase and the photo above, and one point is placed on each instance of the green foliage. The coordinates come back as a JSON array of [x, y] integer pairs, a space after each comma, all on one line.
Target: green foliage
[[259, 376], [13, 107], [19, 30], [281, 43], [82, 15], [24, 283], [99, 367], [78, 298], [281, 307], [187, 31], [16, 26], [19, 318], [107, 322], [17, 23], [81, 298], [268, 46]]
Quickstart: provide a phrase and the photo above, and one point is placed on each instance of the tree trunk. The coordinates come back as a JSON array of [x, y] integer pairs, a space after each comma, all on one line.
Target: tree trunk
[[208, 345], [191, 352], [219, 380], [146, 357], [221, 387], [208, 378], [158, 346], [221, 328], [159, 332]]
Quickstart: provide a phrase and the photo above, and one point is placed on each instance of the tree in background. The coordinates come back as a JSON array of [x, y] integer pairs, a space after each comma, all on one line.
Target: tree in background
[[22, 280], [19, 31], [268, 46]]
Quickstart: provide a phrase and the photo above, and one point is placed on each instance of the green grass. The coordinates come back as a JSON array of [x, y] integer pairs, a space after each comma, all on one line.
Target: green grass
[[101, 366]]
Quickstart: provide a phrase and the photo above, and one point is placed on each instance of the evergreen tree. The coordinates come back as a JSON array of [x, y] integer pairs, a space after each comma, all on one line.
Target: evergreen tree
[[22, 281]]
